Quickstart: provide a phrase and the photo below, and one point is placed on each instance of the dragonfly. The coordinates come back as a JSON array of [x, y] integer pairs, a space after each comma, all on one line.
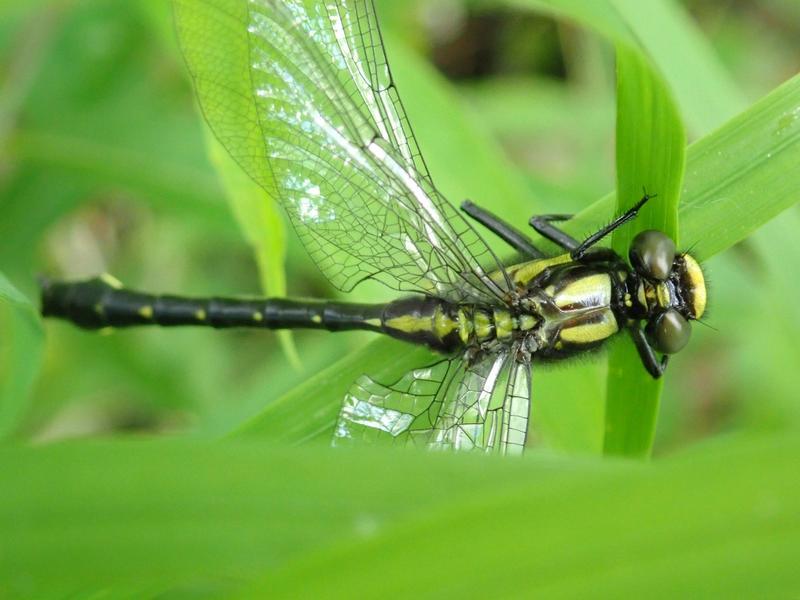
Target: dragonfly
[[334, 146]]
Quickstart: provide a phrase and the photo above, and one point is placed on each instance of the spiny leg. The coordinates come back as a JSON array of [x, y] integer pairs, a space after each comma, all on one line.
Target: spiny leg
[[628, 215], [543, 225], [505, 231], [647, 355]]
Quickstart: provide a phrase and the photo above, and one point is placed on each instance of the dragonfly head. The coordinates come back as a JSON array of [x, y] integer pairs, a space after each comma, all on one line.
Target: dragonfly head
[[671, 290]]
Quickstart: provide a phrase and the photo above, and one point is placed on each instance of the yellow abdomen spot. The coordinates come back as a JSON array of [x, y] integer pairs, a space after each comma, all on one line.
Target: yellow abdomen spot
[[443, 324], [504, 325], [465, 325], [483, 326]]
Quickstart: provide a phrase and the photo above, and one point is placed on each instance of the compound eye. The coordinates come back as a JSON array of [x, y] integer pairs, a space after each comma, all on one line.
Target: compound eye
[[652, 254], [668, 331]]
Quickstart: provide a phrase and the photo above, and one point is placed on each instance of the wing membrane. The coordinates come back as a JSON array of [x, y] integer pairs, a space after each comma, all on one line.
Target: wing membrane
[[372, 77], [480, 407], [403, 412], [325, 133], [489, 409]]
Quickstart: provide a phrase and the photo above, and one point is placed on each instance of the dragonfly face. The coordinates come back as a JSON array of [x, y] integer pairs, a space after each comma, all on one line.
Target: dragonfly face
[[670, 290]]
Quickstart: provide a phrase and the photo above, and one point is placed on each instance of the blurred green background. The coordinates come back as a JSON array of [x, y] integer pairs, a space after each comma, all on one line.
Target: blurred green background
[[104, 168]]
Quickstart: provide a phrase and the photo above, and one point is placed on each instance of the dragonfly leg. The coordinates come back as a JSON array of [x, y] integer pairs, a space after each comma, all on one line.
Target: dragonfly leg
[[648, 356], [628, 215], [543, 224], [505, 231]]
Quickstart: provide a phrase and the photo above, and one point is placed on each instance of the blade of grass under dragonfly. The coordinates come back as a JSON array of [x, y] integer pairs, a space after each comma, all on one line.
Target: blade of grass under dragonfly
[[263, 227], [651, 147]]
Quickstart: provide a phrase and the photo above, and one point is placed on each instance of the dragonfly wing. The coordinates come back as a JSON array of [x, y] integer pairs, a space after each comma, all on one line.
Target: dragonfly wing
[[402, 412], [372, 78], [483, 406], [489, 409], [321, 128]]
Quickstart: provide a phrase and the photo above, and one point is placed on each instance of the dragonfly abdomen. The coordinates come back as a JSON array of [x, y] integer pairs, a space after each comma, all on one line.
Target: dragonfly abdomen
[[102, 302]]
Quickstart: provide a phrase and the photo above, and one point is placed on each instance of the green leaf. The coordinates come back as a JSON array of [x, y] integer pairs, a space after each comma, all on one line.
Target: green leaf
[[651, 147], [743, 175], [618, 532], [21, 344], [213, 518], [263, 226]]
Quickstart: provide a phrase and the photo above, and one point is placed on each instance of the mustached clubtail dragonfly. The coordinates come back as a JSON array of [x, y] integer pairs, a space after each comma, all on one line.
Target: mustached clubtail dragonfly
[[338, 153]]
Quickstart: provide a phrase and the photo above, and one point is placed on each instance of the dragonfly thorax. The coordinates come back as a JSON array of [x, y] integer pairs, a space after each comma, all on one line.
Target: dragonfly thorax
[[577, 305]]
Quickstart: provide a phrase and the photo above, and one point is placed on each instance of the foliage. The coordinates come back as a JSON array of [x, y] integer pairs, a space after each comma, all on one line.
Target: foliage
[[104, 166], [215, 519]]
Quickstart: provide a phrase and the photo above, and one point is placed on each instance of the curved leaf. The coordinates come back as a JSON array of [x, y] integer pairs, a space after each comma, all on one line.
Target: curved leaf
[[21, 344], [651, 146]]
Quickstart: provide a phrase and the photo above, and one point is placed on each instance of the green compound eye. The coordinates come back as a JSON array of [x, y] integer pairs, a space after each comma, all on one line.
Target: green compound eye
[[652, 254], [668, 331]]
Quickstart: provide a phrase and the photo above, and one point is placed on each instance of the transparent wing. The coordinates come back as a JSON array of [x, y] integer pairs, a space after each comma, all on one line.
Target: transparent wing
[[405, 411], [372, 78], [484, 406], [324, 132], [490, 407]]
